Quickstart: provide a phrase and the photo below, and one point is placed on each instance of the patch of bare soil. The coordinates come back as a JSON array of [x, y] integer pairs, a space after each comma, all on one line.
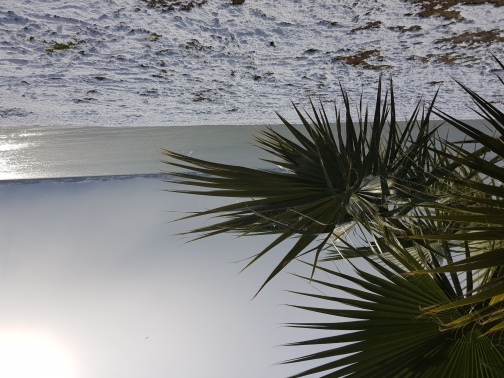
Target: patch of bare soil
[[470, 40], [475, 38], [369, 25], [450, 58], [361, 58], [442, 8], [170, 5]]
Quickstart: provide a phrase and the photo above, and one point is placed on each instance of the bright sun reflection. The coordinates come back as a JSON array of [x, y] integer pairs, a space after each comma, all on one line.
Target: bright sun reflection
[[33, 355]]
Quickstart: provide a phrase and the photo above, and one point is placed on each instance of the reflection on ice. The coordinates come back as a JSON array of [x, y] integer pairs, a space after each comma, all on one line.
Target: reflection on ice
[[12, 146], [44, 152]]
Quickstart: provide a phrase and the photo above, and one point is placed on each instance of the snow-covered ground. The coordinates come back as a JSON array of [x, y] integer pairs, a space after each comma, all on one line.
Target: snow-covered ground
[[123, 63]]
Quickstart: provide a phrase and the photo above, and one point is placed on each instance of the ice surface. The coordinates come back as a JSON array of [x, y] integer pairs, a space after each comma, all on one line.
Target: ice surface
[[70, 152]]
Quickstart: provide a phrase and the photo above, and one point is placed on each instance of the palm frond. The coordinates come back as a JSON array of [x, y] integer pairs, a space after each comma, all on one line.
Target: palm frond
[[330, 175], [475, 218], [388, 334]]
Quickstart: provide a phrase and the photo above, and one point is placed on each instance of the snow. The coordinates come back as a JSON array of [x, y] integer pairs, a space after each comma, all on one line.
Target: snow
[[131, 65]]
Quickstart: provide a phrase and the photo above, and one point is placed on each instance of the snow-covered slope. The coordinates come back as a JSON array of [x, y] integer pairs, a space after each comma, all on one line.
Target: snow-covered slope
[[114, 63]]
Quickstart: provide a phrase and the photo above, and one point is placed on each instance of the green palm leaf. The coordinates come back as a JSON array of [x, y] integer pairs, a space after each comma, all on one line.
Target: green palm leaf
[[388, 334], [330, 176], [475, 218]]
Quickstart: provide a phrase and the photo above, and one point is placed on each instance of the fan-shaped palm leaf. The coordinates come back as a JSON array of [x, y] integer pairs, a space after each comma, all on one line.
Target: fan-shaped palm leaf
[[329, 176], [389, 335]]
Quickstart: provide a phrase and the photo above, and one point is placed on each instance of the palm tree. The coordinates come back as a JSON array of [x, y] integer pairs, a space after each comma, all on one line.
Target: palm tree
[[325, 180], [429, 212]]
